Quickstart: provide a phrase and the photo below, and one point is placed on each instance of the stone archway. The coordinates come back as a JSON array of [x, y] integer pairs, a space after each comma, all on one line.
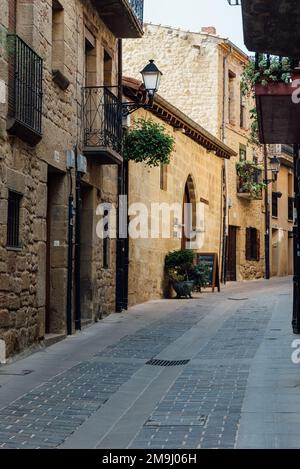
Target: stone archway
[[188, 212]]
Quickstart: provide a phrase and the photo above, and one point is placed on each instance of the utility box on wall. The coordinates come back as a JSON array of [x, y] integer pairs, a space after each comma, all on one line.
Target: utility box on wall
[[2, 352]]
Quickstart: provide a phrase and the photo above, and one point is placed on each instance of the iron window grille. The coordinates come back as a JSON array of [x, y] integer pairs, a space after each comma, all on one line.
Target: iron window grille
[[25, 85], [102, 118], [13, 219], [138, 9]]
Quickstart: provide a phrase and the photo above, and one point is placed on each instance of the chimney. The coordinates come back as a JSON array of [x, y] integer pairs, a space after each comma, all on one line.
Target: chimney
[[209, 30]]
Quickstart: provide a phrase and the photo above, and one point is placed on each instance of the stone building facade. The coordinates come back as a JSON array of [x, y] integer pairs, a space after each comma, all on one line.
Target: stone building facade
[[281, 203], [194, 175], [202, 76], [50, 51]]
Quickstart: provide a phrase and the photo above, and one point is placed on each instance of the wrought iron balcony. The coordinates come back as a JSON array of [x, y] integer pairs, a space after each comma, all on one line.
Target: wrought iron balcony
[[288, 149], [25, 91], [102, 124], [123, 17]]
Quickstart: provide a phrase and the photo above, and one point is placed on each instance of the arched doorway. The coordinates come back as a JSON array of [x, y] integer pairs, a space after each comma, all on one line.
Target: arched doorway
[[188, 213]]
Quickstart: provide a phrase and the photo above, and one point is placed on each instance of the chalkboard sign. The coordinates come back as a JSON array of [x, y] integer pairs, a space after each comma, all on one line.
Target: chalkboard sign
[[211, 260]]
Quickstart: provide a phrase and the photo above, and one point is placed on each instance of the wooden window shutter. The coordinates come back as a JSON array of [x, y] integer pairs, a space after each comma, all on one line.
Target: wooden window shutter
[[257, 245], [12, 16], [248, 244]]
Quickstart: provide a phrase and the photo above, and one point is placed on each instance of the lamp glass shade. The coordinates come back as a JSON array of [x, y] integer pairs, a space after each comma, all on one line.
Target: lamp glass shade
[[151, 77], [274, 165]]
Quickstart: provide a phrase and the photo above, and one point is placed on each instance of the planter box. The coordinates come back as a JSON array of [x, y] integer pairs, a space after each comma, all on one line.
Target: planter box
[[272, 26], [278, 115], [183, 289]]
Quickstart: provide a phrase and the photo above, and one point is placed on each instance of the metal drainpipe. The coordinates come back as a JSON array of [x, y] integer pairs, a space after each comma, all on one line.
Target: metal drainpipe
[[77, 248], [225, 180], [121, 276], [70, 259], [267, 218]]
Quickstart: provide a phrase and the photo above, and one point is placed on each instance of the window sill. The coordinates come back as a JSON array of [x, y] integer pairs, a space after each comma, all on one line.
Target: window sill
[[14, 249]]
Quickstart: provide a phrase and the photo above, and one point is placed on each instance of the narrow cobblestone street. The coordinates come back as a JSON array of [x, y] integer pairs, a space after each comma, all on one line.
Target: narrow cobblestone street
[[233, 383]]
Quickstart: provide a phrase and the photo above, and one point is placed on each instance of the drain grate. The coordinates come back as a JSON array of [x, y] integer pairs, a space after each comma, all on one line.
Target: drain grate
[[177, 421], [20, 373], [154, 362]]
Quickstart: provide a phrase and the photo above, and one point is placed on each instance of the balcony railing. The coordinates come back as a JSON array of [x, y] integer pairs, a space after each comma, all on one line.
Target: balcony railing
[[25, 91], [288, 149], [123, 17], [138, 9], [102, 123]]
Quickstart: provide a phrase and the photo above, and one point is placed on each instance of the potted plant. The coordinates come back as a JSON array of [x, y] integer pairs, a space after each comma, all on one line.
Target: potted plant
[[179, 266], [149, 143]]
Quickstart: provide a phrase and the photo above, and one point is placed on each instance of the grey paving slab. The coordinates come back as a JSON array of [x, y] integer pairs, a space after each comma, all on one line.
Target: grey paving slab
[[239, 388]]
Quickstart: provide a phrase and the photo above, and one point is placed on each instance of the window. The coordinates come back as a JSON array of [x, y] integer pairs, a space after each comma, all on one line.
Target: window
[[242, 110], [274, 204], [107, 69], [291, 209], [231, 97], [13, 219], [163, 177], [243, 152], [252, 244]]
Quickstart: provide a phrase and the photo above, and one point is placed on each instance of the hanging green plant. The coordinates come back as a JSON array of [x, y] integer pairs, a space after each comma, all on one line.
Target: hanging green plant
[[269, 71], [149, 143]]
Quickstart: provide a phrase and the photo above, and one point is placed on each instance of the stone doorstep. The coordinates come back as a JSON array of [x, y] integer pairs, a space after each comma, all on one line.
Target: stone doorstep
[[51, 339]]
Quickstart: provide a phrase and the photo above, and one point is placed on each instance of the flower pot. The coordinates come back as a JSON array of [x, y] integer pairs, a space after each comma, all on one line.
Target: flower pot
[[183, 289], [278, 113]]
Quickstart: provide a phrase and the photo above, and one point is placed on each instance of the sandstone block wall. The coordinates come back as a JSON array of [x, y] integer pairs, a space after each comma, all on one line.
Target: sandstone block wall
[[189, 160], [40, 174], [202, 74]]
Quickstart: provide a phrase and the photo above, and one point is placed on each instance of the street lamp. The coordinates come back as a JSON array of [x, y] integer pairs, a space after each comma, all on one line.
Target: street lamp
[[151, 79], [274, 165]]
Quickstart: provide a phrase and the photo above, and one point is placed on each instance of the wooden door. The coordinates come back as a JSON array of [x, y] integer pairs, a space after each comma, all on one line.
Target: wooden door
[[231, 255]]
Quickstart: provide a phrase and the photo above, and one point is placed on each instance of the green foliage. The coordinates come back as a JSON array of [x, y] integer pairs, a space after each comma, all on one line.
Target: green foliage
[[275, 71], [248, 178], [179, 265], [200, 275], [149, 143]]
